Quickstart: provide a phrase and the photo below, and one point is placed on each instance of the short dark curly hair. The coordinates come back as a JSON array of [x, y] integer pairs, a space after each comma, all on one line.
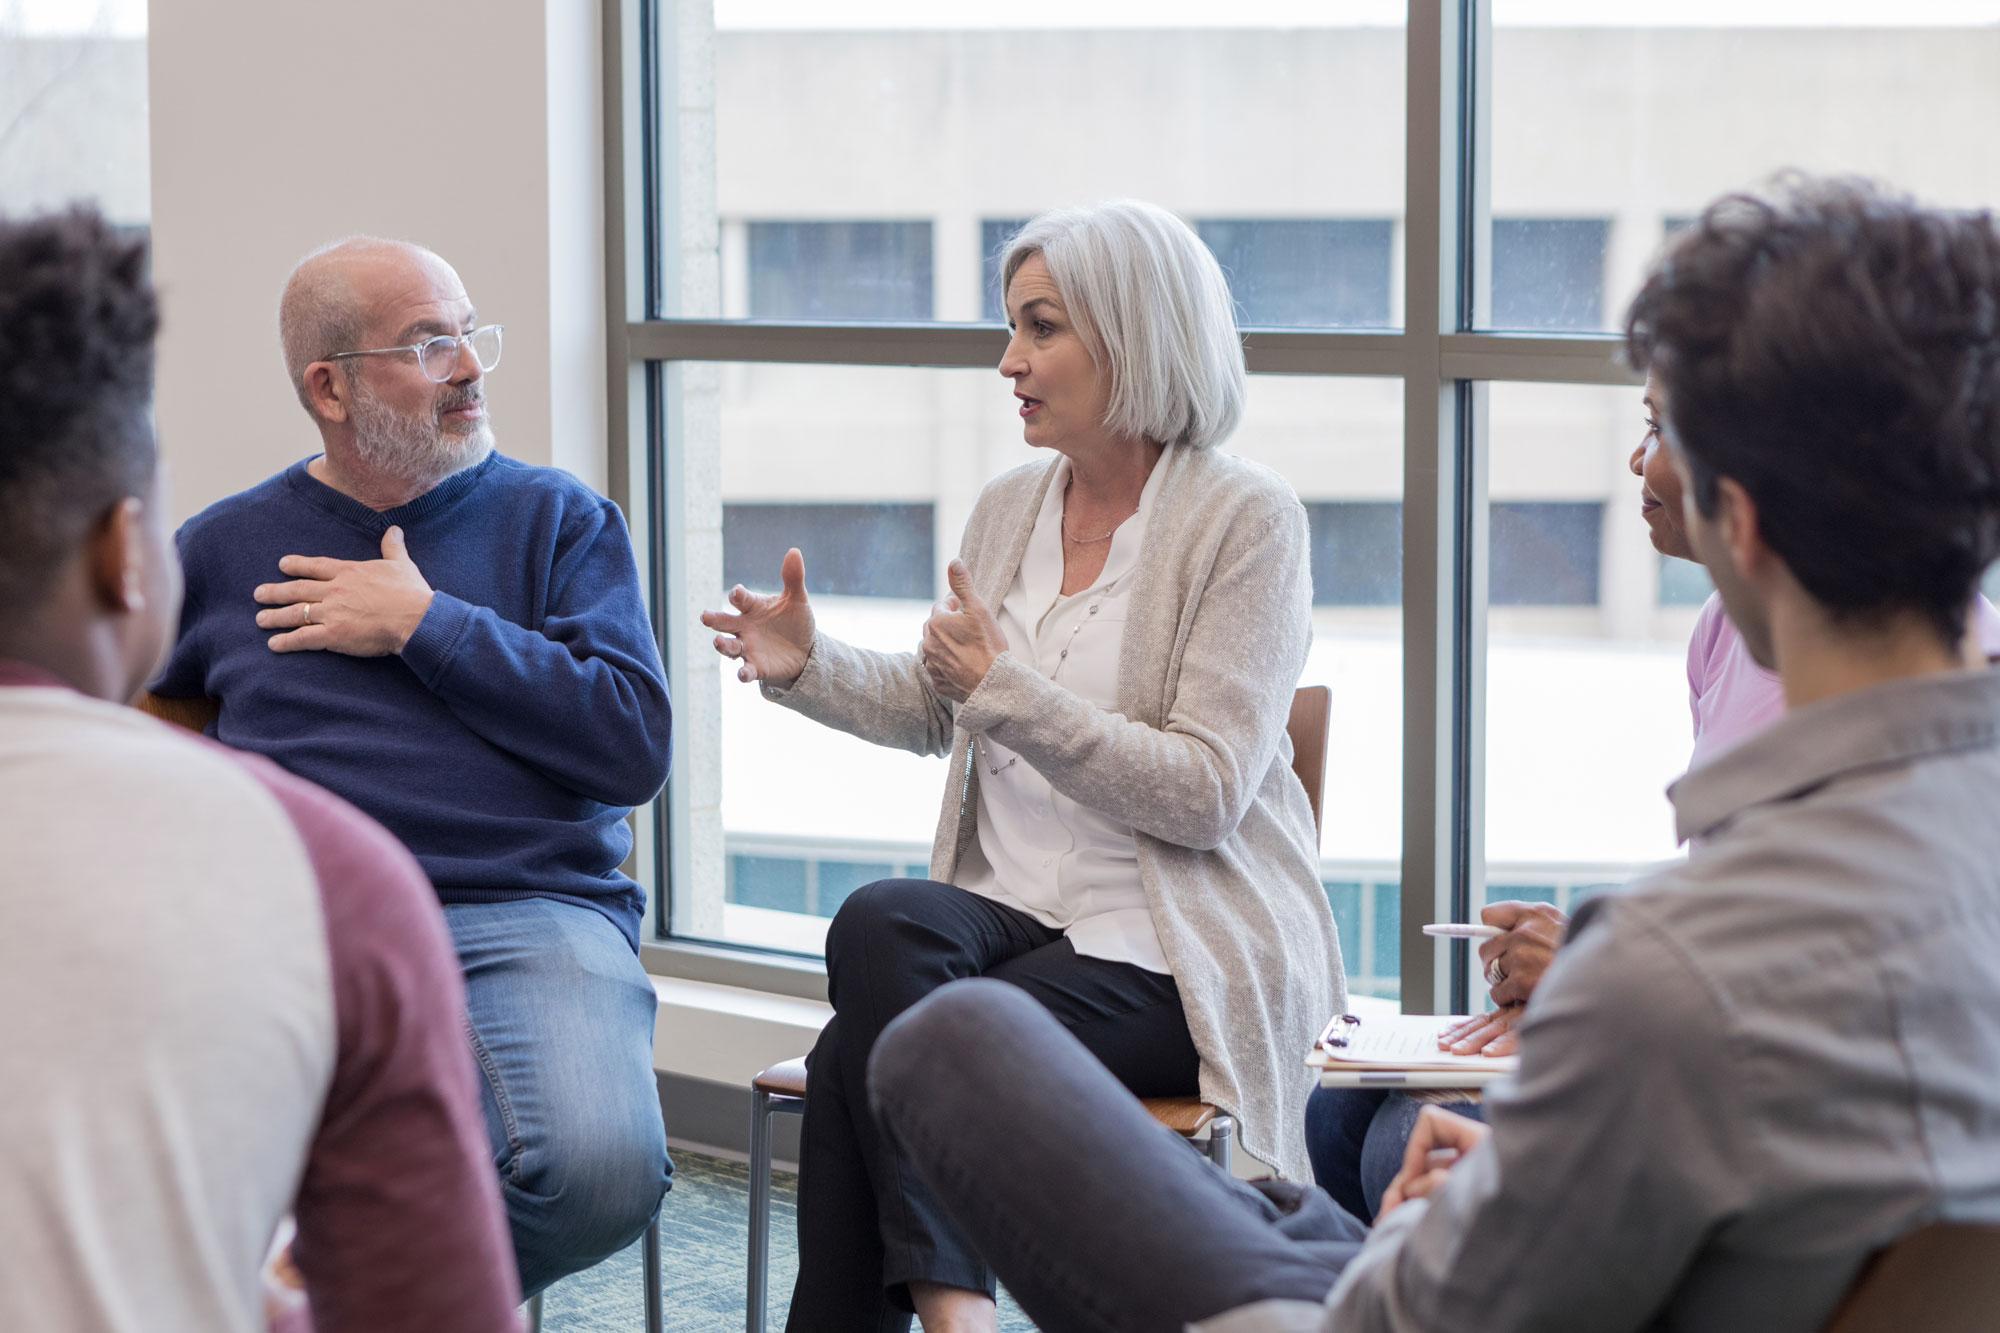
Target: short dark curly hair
[[77, 321], [1834, 348]]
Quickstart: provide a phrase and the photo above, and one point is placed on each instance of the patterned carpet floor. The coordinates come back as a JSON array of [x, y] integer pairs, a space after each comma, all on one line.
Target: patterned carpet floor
[[704, 1249]]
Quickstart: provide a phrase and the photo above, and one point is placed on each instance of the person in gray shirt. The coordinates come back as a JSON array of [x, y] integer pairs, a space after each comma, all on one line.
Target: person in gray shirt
[[1745, 1075]]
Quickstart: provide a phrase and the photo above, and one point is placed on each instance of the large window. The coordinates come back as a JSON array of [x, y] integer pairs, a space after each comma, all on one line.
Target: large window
[[73, 108], [1434, 366], [1586, 695]]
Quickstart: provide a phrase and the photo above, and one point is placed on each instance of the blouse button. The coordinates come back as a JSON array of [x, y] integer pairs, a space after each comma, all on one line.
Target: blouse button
[[1093, 610]]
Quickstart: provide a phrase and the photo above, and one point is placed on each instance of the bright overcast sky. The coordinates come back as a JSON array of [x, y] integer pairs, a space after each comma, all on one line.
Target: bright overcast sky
[[127, 18]]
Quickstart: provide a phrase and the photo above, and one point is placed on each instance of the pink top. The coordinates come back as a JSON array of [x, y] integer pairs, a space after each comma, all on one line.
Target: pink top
[[1733, 698]]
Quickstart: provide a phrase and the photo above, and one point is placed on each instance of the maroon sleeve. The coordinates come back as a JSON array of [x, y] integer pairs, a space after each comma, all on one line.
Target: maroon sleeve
[[399, 1213]]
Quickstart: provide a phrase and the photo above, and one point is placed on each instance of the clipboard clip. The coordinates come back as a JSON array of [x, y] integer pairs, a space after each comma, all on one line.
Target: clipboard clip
[[1335, 1035]]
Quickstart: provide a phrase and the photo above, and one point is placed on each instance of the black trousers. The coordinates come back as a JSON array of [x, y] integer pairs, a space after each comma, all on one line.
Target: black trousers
[[867, 1226]]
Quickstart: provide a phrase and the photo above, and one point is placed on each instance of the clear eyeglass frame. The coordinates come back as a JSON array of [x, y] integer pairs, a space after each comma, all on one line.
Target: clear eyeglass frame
[[438, 357]]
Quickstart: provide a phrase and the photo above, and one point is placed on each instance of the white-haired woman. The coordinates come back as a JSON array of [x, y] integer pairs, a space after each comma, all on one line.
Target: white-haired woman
[[1122, 834]]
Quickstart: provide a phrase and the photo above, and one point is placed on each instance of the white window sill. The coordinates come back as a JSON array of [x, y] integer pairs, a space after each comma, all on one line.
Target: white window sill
[[726, 1034]]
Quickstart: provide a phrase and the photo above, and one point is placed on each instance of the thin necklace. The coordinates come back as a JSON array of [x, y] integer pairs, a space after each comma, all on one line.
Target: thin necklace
[[1063, 523]]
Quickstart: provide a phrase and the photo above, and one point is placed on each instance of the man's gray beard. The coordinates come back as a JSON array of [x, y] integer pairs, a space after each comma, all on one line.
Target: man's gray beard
[[414, 449]]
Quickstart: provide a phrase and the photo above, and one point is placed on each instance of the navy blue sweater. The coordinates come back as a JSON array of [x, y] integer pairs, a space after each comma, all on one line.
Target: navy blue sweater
[[525, 717]]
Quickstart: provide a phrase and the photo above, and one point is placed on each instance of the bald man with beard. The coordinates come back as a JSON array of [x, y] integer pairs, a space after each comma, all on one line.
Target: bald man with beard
[[456, 643]]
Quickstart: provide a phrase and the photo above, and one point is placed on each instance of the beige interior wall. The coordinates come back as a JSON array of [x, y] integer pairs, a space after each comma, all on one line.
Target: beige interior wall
[[471, 127]]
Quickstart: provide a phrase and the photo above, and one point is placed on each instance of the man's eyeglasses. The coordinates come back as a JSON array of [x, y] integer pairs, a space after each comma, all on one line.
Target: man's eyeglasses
[[438, 357]]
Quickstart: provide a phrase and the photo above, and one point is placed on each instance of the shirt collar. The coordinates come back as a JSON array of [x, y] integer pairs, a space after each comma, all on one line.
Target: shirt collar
[[1821, 742]]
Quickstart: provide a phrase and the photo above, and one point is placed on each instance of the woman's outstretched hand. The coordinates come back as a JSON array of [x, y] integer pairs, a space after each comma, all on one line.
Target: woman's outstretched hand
[[769, 634], [961, 639]]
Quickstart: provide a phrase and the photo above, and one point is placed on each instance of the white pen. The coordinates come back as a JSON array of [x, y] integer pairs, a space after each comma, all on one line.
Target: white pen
[[1461, 930]]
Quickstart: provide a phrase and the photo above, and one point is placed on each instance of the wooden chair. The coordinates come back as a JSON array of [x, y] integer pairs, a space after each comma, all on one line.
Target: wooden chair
[[197, 715], [1943, 1278], [194, 714], [781, 1089]]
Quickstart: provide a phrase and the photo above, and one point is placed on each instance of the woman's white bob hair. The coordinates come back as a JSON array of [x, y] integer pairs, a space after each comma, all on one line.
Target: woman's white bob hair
[[1153, 308]]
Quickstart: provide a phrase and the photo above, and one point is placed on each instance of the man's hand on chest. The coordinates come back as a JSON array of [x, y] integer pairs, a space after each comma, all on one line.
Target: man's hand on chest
[[363, 608]]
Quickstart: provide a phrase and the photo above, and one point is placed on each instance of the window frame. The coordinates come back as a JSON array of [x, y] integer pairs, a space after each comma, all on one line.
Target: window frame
[[1442, 361]]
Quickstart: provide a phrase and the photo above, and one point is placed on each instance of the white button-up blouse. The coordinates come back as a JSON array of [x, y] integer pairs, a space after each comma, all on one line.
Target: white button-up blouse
[[1038, 851]]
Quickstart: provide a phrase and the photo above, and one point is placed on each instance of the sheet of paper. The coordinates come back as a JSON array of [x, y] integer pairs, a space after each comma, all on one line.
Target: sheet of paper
[[1404, 1041]]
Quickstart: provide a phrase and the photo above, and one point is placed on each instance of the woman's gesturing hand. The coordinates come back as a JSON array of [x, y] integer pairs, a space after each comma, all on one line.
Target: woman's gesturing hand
[[1516, 960], [961, 639], [770, 634]]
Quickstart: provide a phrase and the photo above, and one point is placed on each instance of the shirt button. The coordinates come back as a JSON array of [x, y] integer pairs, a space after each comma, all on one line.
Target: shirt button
[[1065, 653], [1093, 610]]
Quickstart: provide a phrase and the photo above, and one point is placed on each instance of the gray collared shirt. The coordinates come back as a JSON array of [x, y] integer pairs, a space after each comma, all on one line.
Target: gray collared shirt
[[1748, 1073]]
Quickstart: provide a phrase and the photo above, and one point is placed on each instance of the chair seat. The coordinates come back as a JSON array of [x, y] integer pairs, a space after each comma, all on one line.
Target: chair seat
[[1185, 1116], [787, 1079]]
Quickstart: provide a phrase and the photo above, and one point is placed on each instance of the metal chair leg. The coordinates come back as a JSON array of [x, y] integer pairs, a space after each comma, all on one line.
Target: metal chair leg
[[763, 1106], [1221, 1141], [760, 1210], [651, 1255], [535, 1313]]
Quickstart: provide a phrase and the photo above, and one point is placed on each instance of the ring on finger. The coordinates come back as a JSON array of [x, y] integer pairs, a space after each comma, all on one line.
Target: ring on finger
[[309, 613], [1495, 974]]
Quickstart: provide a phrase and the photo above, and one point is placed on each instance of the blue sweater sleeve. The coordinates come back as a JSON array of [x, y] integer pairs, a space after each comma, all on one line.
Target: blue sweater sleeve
[[584, 698]]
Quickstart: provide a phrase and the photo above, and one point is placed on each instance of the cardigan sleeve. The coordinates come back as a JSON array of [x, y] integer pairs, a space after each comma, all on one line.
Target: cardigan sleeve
[[1191, 780], [883, 698], [887, 698]]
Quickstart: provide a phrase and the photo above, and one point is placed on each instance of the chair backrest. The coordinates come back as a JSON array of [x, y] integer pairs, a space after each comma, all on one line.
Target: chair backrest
[[1312, 709], [194, 714], [1943, 1278]]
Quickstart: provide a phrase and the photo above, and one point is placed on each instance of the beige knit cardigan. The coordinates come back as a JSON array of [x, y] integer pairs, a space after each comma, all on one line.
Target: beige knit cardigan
[[1195, 760]]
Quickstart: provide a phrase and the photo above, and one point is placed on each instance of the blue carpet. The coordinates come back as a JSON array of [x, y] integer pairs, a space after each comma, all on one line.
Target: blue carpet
[[703, 1249]]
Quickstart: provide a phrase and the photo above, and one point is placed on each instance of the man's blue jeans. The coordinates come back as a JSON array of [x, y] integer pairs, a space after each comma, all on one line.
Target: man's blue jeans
[[562, 1028]]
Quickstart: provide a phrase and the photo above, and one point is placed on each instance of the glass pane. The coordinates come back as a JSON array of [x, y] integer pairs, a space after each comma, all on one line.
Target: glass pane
[[840, 270], [1683, 583], [1340, 444], [1612, 124], [1305, 273], [872, 472], [73, 108], [911, 140], [1586, 681]]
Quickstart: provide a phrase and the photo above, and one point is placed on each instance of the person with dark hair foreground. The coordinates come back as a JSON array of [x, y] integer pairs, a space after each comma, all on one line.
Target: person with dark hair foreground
[[232, 995], [1745, 1075]]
